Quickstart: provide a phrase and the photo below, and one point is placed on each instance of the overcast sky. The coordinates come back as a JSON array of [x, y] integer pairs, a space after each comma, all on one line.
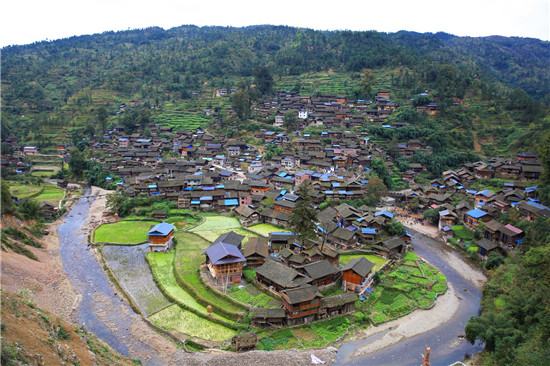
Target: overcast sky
[[27, 21]]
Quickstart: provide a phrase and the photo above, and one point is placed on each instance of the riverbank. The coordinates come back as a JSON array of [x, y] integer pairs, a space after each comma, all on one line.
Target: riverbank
[[418, 322], [43, 281]]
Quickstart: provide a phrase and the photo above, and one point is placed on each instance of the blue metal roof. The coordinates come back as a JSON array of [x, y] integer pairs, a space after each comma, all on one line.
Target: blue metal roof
[[161, 229], [231, 202], [368, 230], [476, 213]]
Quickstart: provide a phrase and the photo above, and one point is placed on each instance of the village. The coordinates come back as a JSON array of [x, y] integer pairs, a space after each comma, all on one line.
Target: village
[[361, 251]]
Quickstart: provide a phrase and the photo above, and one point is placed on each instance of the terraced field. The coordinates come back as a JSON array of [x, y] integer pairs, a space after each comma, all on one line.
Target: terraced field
[[123, 232], [174, 317]]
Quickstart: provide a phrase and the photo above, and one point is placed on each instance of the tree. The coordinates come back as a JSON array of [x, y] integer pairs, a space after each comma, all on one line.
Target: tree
[[302, 219], [395, 227], [263, 79], [7, 202], [240, 102], [376, 189], [290, 121], [30, 209], [494, 260], [77, 163], [368, 81], [102, 115]]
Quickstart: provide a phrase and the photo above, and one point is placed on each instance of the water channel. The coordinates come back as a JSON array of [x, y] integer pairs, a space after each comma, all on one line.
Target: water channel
[[103, 312]]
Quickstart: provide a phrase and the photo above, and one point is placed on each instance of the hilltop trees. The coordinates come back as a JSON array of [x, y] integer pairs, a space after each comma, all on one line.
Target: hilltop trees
[[263, 79], [302, 220]]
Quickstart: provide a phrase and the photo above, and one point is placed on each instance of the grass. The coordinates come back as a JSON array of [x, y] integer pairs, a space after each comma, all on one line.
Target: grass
[[174, 317], [463, 233], [123, 232], [266, 229], [249, 294], [161, 263], [187, 261], [378, 261], [218, 223], [24, 190], [51, 194], [212, 235]]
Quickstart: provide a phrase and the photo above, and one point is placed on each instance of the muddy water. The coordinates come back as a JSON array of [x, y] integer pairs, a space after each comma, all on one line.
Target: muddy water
[[101, 311], [446, 346]]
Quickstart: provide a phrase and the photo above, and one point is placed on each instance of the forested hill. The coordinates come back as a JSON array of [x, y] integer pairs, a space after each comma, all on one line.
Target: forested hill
[[159, 65]]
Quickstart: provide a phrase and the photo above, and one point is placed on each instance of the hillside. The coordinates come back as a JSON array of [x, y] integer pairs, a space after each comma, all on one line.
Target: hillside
[[31, 335], [49, 86]]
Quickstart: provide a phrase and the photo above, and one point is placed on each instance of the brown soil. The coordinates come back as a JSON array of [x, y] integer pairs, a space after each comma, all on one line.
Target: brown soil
[[41, 338], [44, 280]]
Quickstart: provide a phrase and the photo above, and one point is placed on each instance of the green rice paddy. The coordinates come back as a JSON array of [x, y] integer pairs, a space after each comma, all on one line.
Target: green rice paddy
[[378, 261], [174, 317], [266, 229], [123, 232]]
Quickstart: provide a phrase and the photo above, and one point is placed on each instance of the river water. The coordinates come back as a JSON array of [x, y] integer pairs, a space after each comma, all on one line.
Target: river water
[[103, 312], [446, 346]]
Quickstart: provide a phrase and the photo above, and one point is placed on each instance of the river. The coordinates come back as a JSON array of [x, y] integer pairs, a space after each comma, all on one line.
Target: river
[[446, 346], [103, 312]]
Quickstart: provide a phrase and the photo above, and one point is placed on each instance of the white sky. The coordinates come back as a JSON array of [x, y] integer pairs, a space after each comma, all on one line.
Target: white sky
[[27, 21]]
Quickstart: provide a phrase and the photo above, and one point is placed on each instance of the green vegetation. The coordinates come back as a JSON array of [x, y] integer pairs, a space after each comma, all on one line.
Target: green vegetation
[[163, 273], [515, 319], [187, 261], [316, 335], [410, 285], [463, 233], [51, 194], [174, 317], [123, 232], [251, 295], [378, 261], [266, 229], [218, 223], [212, 235]]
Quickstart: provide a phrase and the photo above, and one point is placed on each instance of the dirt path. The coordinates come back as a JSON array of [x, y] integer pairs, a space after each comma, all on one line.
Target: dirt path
[[477, 146]]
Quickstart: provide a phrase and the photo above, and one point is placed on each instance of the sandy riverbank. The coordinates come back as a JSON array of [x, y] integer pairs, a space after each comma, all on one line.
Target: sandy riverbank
[[418, 322]]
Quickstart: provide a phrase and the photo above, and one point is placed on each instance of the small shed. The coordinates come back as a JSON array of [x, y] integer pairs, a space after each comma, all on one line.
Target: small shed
[[160, 237], [245, 341]]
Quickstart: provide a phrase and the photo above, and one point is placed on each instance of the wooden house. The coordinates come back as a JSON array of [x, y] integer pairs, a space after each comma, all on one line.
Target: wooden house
[[322, 272], [255, 252], [343, 238], [267, 318], [355, 272], [161, 237], [301, 304], [510, 235], [473, 217], [485, 246], [278, 277], [338, 305], [225, 262]]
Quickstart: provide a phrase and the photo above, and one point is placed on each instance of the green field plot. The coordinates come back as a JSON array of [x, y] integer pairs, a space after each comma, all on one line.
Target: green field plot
[[123, 232], [174, 317], [378, 261], [24, 190], [45, 173], [187, 261], [218, 223], [51, 194], [403, 290], [266, 229], [132, 272], [212, 235], [252, 296], [463, 233], [182, 120], [162, 268]]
